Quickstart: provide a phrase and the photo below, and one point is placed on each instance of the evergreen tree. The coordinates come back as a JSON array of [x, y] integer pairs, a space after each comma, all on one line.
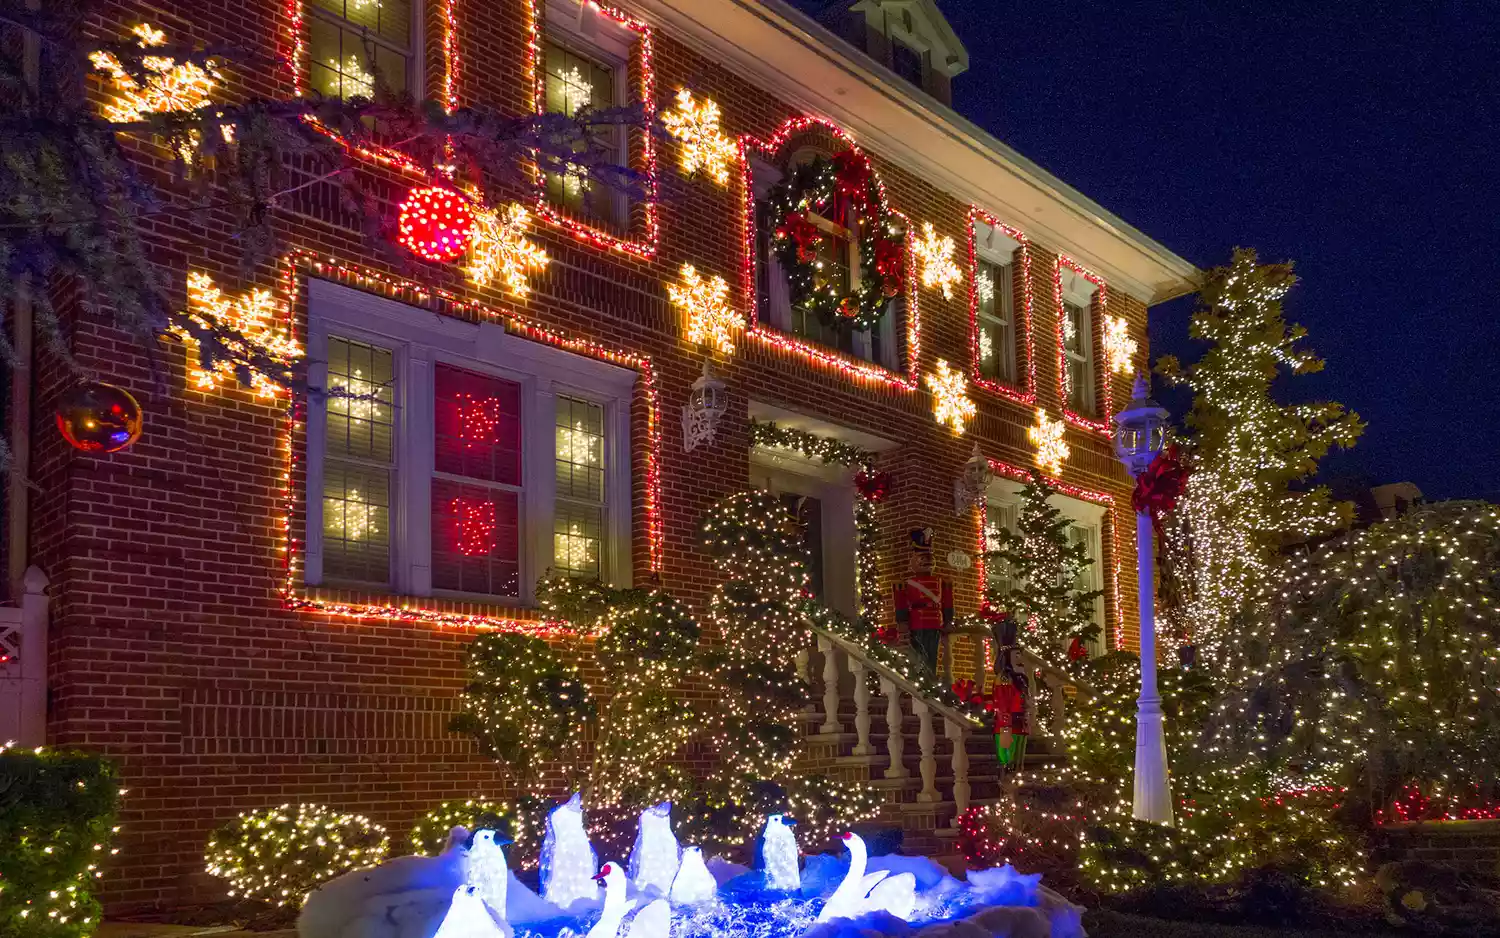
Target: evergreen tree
[[1246, 451], [1044, 568]]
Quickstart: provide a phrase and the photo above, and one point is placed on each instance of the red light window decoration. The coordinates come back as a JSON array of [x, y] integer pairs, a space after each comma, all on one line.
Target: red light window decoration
[[435, 223], [1000, 310], [1077, 320], [476, 426], [476, 539]]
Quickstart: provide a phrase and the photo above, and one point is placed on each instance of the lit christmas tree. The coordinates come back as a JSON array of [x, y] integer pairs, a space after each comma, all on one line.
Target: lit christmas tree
[[1246, 450]]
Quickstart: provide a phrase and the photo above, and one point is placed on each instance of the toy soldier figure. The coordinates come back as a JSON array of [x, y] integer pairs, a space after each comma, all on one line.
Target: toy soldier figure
[[924, 601]]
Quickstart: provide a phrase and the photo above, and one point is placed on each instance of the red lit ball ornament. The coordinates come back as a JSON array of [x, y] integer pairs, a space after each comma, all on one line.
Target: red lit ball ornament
[[99, 418], [435, 223]]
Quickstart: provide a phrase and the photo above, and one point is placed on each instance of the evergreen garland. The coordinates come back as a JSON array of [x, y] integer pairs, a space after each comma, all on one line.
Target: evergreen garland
[[816, 186]]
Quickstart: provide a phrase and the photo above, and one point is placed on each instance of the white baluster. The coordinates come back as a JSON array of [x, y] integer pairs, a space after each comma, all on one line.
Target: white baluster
[[927, 740], [861, 707], [959, 735], [895, 745], [830, 652], [801, 660]]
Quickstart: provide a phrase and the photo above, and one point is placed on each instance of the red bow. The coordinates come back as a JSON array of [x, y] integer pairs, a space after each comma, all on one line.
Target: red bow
[[1077, 650], [1159, 487], [873, 484], [852, 177], [797, 227], [890, 265], [965, 691]]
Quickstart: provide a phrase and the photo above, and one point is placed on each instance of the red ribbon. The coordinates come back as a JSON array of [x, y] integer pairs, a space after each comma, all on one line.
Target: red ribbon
[[890, 265], [873, 485], [1159, 487], [800, 229]]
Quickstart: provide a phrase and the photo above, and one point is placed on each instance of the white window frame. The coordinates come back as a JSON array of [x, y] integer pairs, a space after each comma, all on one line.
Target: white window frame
[[415, 62], [584, 30], [999, 249], [1086, 516], [420, 339], [778, 314], [1079, 291]]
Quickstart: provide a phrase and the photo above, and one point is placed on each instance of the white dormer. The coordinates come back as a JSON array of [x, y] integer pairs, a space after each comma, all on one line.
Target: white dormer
[[917, 26]]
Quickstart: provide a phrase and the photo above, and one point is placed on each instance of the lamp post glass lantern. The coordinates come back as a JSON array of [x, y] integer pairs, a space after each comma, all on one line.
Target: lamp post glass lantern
[[1140, 435]]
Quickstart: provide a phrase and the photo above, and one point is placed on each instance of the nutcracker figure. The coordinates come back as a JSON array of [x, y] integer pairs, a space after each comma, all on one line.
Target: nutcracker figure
[[924, 601], [1008, 703]]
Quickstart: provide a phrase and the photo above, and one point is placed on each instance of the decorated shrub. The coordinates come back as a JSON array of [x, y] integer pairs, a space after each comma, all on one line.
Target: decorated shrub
[[57, 814], [279, 855], [523, 821]]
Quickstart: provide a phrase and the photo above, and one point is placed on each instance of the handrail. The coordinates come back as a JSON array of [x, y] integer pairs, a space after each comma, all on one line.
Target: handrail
[[857, 652], [1057, 676]]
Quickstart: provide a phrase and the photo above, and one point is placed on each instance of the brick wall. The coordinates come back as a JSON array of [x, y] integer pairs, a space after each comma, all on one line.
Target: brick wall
[[172, 650], [1472, 846]]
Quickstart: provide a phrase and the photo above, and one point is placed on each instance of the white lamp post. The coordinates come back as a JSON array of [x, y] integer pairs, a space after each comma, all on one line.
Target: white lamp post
[[1140, 434]]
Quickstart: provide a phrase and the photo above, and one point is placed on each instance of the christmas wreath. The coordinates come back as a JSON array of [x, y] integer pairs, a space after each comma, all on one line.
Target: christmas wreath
[[824, 186]]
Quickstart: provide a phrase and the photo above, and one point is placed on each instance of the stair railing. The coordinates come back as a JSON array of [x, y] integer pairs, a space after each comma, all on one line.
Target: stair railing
[[840, 655], [1060, 684]]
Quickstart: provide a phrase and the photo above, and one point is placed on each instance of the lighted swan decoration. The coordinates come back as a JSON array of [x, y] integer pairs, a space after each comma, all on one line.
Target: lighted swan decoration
[[862, 892]]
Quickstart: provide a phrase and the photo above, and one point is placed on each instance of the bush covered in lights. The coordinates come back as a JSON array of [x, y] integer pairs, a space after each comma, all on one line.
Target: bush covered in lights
[[57, 816], [1380, 667], [279, 855], [522, 820]]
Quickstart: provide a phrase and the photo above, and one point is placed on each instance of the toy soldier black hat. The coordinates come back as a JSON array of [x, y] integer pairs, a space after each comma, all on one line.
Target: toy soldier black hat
[[921, 540]]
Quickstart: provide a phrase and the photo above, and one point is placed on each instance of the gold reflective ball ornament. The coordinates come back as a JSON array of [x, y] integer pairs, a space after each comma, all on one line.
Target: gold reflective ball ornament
[[99, 418]]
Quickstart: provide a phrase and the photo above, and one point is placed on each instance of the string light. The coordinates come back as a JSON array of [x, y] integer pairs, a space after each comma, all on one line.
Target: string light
[[280, 855], [705, 302], [435, 223], [501, 251], [705, 148], [939, 270], [477, 418], [166, 86], [950, 398], [845, 365], [359, 517], [1119, 347], [647, 246], [257, 333], [1103, 425], [1047, 437], [301, 262], [1024, 395], [577, 92]]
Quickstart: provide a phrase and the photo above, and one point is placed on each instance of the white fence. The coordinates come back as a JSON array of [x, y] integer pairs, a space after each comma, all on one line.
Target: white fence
[[23, 664]]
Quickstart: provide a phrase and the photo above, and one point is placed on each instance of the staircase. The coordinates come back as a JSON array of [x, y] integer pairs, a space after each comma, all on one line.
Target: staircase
[[930, 762]]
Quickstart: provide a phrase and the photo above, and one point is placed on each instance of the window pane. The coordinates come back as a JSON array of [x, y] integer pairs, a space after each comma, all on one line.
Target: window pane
[[570, 83], [476, 539], [390, 20], [577, 539], [476, 425], [361, 415], [580, 450], [907, 62], [1078, 384], [998, 518], [1074, 329], [356, 523]]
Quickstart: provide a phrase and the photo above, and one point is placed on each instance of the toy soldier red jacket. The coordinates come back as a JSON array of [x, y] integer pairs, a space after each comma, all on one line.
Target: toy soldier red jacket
[[1008, 705], [924, 602]]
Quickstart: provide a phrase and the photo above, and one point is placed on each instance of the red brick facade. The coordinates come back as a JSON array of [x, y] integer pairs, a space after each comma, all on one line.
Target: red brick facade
[[173, 649]]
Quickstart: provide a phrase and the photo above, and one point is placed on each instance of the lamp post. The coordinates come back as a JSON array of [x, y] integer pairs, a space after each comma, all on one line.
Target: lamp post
[[1140, 434]]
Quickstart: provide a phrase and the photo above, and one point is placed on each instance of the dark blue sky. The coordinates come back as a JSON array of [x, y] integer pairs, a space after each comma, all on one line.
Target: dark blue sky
[[1357, 139]]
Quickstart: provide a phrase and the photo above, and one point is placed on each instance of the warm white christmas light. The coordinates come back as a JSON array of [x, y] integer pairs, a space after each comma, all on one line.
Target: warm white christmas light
[[950, 396], [935, 254], [1047, 437], [256, 316], [1119, 347], [710, 320], [500, 251], [704, 145]]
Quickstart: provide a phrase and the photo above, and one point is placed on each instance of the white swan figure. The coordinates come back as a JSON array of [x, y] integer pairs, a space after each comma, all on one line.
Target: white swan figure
[[485, 869], [778, 850], [694, 884], [861, 892], [470, 916], [616, 905], [655, 858], [568, 860], [654, 921]]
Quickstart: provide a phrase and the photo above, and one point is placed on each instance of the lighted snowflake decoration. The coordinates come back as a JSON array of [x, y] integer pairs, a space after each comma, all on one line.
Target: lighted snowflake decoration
[[985, 283], [950, 397], [359, 517], [710, 321], [576, 90], [165, 86], [575, 550], [939, 269], [578, 446], [357, 83], [500, 251], [1047, 437], [1119, 347], [255, 330], [704, 146]]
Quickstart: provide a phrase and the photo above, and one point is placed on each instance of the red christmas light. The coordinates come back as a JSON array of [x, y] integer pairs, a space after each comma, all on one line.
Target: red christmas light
[[477, 418], [1079, 420], [476, 526], [436, 223], [1027, 395]]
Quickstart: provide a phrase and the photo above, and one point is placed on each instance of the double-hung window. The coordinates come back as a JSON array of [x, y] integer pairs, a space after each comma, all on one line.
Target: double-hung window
[[349, 42], [996, 321], [839, 260], [453, 459], [1078, 340]]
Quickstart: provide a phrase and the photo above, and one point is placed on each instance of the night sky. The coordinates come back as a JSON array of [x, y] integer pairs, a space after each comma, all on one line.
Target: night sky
[[1358, 140]]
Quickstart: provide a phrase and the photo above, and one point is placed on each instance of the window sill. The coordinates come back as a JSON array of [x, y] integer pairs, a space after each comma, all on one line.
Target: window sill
[[832, 357], [1007, 389], [428, 610]]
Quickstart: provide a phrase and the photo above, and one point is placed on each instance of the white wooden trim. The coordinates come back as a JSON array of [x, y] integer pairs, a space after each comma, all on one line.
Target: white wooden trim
[[994, 245], [421, 340], [1077, 288]]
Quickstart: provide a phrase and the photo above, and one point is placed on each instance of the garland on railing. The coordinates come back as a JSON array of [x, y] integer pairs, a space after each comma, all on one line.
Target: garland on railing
[[871, 485]]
